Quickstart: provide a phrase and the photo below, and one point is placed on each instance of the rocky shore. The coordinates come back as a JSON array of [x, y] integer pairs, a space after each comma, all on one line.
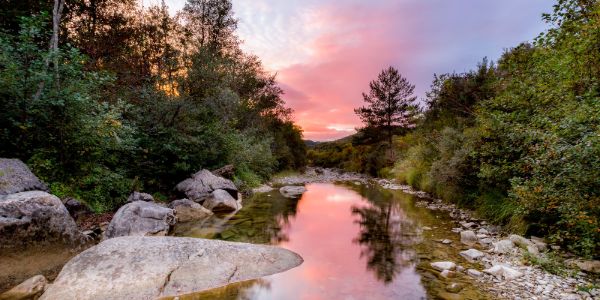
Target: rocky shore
[[503, 265], [134, 259], [507, 263]]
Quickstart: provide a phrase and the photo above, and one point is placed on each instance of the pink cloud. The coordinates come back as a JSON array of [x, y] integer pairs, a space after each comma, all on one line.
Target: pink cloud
[[327, 51], [344, 61]]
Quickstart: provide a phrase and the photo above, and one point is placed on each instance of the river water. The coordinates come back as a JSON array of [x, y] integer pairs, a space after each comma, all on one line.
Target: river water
[[357, 241]]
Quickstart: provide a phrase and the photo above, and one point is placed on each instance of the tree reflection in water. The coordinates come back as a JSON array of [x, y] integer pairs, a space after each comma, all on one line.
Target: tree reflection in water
[[386, 235]]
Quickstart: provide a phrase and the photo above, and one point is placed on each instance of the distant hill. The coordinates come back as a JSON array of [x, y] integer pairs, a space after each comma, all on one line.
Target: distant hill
[[311, 144], [315, 144]]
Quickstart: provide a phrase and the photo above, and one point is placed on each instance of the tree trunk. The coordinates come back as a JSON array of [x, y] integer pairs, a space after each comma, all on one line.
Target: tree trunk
[[56, 15]]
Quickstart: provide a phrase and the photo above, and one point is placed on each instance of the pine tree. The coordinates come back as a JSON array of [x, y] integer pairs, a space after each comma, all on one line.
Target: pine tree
[[391, 103]]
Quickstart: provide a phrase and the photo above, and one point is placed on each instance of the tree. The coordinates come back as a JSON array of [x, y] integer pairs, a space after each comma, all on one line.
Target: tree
[[390, 103], [211, 23]]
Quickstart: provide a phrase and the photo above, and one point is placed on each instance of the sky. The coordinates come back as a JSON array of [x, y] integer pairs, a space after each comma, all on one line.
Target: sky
[[325, 52]]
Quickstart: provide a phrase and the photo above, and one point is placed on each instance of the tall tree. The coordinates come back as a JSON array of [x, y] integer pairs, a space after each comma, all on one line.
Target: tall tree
[[390, 103], [211, 23]]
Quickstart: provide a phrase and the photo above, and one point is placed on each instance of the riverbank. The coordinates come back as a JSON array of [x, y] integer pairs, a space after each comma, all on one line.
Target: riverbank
[[511, 267]]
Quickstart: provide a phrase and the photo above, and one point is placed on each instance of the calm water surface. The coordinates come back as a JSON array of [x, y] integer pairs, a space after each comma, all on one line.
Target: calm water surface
[[357, 242]]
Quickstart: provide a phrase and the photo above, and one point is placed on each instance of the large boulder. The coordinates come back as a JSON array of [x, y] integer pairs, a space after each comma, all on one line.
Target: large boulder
[[221, 201], [202, 184], [292, 191], [156, 267], [16, 177], [141, 218], [187, 210], [35, 217], [31, 288]]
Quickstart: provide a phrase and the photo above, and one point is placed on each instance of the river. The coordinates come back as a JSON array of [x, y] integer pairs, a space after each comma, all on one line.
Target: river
[[357, 241]]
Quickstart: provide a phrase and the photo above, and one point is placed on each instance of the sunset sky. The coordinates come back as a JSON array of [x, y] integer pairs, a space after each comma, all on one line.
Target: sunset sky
[[325, 52]]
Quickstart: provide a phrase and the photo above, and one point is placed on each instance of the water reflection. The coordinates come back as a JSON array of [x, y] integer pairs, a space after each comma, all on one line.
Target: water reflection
[[356, 244], [386, 235], [262, 221]]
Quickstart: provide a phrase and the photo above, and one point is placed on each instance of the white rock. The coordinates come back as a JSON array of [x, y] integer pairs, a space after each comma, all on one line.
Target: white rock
[[503, 271], [443, 265], [471, 254], [520, 241], [503, 246], [164, 267], [468, 237], [474, 273], [221, 201], [533, 249], [262, 189], [448, 274], [292, 191], [467, 225], [446, 242], [482, 231], [485, 241], [570, 297]]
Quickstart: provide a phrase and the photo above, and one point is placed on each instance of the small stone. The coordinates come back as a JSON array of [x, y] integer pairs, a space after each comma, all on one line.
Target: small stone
[[467, 225], [533, 249], [474, 273], [485, 241], [482, 231], [446, 241], [448, 274], [454, 287], [292, 191], [471, 255], [570, 297], [426, 228], [443, 265], [468, 237], [520, 241], [503, 246], [503, 271]]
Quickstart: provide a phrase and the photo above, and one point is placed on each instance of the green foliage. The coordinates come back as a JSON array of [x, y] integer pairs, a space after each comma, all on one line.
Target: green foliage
[[165, 98], [550, 262], [52, 118]]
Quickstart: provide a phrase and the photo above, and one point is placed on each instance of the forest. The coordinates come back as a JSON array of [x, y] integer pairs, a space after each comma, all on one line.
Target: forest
[[517, 140], [105, 97]]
